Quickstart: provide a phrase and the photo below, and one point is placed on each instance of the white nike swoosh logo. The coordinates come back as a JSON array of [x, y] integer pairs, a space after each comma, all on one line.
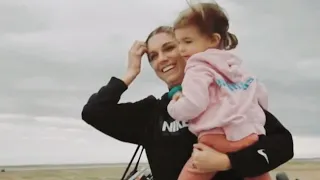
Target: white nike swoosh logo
[[262, 153]]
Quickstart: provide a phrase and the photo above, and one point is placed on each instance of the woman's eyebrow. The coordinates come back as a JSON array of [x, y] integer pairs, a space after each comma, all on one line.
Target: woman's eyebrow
[[167, 43]]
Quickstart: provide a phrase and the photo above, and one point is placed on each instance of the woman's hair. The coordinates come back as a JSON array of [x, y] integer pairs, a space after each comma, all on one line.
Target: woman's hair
[[160, 29], [209, 18]]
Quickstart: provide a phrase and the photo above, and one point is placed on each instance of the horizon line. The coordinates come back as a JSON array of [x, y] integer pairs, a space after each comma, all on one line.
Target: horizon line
[[116, 163]]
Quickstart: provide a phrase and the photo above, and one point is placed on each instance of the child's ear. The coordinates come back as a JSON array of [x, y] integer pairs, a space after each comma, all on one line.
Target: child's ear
[[215, 40]]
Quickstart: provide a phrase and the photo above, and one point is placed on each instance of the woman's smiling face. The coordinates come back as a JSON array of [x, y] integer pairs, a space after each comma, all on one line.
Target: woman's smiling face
[[165, 58]]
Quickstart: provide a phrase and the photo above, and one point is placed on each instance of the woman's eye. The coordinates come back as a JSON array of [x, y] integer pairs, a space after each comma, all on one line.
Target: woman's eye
[[169, 48], [152, 57]]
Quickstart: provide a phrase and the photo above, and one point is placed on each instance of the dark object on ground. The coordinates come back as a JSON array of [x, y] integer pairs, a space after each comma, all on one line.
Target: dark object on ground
[[3, 170], [135, 172], [282, 176]]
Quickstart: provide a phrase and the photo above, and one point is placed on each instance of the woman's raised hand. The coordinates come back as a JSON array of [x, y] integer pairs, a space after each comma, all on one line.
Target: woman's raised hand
[[136, 52]]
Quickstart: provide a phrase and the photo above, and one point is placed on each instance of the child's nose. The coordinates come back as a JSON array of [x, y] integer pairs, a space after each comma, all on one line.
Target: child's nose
[[182, 49]]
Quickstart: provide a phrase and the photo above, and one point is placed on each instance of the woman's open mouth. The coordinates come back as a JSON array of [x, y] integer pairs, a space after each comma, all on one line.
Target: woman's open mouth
[[168, 68]]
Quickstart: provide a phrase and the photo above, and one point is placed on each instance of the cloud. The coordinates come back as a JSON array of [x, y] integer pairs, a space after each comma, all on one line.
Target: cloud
[[56, 140], [19, 18], [12, 116], [60, 120]]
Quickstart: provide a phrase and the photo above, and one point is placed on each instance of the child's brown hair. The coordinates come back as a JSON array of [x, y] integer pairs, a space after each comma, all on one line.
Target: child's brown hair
[[209, 18]]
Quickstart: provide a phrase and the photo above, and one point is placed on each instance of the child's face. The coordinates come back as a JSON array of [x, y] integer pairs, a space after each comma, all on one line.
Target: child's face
[[191, 41]]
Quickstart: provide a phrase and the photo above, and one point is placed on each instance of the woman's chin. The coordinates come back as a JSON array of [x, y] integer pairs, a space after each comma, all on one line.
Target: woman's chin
[[173, 81]]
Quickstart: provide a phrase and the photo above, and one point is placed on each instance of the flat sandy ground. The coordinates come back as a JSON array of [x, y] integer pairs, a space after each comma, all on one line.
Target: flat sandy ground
[[302, 170]]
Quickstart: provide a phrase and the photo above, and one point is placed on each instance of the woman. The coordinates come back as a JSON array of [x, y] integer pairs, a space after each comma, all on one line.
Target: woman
[[168, 143]]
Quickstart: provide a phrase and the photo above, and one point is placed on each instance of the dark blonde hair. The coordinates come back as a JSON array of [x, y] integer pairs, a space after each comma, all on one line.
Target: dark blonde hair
[[160, 29], [209, 18]]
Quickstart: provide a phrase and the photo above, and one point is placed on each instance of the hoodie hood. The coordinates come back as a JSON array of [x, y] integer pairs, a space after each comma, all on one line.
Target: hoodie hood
[[224, 62]]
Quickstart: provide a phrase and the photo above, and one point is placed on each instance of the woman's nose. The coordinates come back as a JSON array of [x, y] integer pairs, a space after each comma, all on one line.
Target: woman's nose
[[162, 58]]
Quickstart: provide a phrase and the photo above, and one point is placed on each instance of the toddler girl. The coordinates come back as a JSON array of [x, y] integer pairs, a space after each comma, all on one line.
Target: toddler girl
[[217, 97]]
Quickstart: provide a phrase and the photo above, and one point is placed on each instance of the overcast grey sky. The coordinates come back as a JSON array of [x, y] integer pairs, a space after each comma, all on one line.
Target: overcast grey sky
[[55, 53]]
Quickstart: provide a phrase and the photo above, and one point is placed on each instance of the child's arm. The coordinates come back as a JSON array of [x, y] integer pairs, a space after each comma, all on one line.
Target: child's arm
[[195, 93], [262, 95]]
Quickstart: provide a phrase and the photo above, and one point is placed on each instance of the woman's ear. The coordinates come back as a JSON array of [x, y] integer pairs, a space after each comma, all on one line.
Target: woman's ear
[[215, 40]]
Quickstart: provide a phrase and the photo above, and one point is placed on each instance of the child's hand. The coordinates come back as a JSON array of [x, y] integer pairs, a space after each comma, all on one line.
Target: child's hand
[[177, 96]]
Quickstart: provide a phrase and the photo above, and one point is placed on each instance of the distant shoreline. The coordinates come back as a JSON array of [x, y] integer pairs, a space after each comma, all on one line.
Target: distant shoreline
[[296, 169], [317, 159], [64, 166], [103, 165]]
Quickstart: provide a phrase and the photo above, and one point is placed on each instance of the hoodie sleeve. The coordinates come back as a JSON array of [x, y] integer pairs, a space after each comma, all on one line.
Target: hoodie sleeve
[[262, 95], [268, 153], [104, 112], [195, 93]]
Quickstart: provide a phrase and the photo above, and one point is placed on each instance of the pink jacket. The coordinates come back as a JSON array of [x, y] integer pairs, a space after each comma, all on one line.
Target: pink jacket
[[219, 94]]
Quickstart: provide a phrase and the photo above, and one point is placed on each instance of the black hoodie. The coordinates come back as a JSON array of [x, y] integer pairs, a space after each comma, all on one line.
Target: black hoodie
[[169, 143]]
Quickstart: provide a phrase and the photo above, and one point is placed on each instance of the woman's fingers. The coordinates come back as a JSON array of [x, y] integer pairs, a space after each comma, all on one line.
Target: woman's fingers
[[201, 147], [138, 48], [141, 50], [193, 167], [195, 170], [135, 54], [194, 154]]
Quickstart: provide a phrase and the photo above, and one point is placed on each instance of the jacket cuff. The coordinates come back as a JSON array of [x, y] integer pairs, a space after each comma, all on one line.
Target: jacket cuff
[[115, 82], [115, 87]]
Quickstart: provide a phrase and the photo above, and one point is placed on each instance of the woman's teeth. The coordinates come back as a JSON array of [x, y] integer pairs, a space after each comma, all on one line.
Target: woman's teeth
[[167, 68]]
